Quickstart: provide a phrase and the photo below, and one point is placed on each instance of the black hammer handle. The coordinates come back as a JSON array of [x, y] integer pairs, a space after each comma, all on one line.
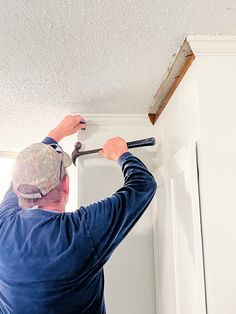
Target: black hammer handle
[[141, 143], [150, 141]]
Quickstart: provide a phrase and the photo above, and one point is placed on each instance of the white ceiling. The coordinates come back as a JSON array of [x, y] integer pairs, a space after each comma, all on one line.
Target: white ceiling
[[67, 56]]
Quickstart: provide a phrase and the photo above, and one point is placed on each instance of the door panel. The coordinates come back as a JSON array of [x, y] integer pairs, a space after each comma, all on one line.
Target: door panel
[[184, 243], [179, 276]]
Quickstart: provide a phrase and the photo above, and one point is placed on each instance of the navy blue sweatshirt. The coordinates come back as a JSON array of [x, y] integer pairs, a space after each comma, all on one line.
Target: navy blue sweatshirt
[[53, 262]]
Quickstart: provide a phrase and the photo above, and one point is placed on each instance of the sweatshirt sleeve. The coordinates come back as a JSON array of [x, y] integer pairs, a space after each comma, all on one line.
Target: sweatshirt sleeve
[[108, 221], [9, 203]]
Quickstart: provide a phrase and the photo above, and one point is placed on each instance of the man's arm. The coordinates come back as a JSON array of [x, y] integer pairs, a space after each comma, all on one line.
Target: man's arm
[[69, 125], [108, 221]]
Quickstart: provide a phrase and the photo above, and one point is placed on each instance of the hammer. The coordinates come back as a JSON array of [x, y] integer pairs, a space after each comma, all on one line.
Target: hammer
[[139, 143]]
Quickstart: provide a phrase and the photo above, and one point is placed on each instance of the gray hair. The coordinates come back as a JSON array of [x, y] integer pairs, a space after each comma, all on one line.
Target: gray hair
[[53, 197]]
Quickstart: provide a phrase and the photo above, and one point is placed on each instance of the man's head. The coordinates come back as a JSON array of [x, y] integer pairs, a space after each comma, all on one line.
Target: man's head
[[40, 177]]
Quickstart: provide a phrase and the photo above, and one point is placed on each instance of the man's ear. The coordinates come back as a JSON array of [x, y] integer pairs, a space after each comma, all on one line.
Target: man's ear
[[15, 190], [66, 184]]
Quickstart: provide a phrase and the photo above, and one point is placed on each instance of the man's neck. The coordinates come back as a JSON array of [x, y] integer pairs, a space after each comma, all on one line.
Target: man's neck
[[53, 207]]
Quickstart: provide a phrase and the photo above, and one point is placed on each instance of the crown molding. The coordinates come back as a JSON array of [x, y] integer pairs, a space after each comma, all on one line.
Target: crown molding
[[116, 119], [212, 45]]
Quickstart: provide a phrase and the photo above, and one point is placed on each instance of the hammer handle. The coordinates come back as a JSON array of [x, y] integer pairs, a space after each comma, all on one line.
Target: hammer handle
[[139, 143]]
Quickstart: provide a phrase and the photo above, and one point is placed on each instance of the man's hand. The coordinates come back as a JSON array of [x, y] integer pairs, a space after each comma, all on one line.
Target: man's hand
[[114, 148], [68, 126]]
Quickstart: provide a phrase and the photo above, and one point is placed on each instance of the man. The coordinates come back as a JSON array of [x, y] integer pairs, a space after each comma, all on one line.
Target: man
[[51, 261]]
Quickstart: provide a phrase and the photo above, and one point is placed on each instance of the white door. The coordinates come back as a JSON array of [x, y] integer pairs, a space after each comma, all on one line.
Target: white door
[[180, 280]]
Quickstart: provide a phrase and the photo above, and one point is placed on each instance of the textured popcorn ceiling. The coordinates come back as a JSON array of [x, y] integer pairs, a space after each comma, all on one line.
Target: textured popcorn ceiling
[[93, 56]]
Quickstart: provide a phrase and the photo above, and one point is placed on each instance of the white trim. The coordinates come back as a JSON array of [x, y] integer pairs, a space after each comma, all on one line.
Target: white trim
[[185, 160], [7, 154], [215, 45], [116, 119]]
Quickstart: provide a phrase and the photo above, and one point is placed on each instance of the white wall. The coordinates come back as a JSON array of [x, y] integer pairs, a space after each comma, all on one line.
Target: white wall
[[217, 165], [178, 125], [203, 109], [129, 274], [179, 122]]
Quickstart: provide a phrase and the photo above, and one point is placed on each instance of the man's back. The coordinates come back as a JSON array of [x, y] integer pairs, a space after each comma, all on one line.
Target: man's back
[[48, 265]]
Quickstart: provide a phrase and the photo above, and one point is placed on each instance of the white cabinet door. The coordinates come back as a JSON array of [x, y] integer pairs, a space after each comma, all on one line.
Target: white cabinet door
[[179, 275]]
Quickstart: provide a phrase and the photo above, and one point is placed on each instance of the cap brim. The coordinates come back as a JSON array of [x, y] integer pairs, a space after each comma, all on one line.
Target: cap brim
[[67, 161]]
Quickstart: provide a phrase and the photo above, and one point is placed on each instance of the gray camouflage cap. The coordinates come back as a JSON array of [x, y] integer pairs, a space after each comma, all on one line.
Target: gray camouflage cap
[[41, 166]]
